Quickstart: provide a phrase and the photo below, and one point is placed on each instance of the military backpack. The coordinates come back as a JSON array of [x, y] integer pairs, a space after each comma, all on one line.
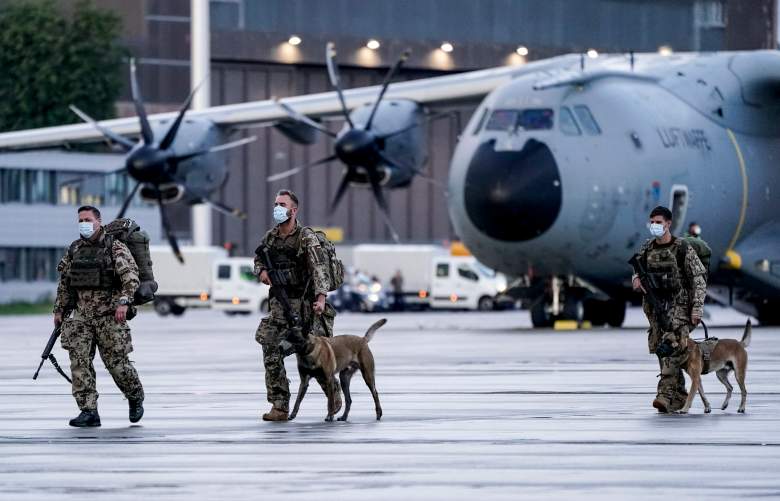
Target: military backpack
[[129, 233], [334, 265], [702, 250]]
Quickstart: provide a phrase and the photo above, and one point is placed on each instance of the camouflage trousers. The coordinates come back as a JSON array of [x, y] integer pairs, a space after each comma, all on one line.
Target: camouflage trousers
[[271, 335], [81, 337], [671, 383]]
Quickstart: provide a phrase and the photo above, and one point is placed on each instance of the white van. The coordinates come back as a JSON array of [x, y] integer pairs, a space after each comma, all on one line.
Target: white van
[[462, 282], [235, 288]]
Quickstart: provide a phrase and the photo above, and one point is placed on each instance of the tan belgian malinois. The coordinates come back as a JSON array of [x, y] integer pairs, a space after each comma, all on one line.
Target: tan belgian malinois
[[322, 358], [727, 355]]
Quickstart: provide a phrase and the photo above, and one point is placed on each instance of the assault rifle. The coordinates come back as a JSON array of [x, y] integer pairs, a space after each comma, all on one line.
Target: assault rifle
[[48, 354], [278, 282], [658, 306]]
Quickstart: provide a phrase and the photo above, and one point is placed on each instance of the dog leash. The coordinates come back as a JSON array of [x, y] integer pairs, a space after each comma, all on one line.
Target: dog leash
[[706, 332]]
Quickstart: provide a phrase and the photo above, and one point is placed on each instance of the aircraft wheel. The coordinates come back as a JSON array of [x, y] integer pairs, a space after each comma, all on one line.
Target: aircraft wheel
[[595, 312], [769, 313], [573, 309], [177, 310], [616, 312], [540, 317]]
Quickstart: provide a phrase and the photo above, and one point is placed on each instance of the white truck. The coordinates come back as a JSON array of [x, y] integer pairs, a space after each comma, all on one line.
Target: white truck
[[207, 279], [432, 277]]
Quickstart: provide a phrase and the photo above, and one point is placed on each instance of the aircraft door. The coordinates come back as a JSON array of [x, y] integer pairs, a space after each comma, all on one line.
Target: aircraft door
[[679, 207]]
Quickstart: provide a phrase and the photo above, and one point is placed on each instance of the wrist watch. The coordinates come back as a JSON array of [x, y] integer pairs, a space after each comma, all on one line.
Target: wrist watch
[[123, 301]]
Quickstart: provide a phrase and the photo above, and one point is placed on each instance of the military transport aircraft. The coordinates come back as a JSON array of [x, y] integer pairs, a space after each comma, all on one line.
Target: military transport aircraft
[[555, 174]]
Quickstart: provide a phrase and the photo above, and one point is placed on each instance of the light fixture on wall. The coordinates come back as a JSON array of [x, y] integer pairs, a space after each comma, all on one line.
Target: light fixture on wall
[[447, 47], [373, 44], [522, 51], [294, 40]]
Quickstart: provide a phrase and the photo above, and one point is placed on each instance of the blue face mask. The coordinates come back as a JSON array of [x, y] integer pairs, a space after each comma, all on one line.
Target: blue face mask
[[86, 229], [657, 230], [280, 214]]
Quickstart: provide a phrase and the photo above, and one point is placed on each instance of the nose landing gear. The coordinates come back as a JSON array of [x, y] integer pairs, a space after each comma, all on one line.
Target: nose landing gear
[[565, 299]]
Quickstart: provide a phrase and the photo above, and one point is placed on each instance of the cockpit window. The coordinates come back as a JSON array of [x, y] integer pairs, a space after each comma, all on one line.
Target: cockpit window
[[530, 119], [568, 124], [536, 119], [502, 120], [481, 122], [586, 119]]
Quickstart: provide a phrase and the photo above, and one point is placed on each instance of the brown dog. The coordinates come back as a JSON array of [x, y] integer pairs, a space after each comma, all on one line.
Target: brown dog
[[728, 355], [323, 358]]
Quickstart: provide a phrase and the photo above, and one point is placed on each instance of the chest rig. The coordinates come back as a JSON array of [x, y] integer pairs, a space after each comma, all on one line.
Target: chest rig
[[290, 260], [663, 269], [91, 267]]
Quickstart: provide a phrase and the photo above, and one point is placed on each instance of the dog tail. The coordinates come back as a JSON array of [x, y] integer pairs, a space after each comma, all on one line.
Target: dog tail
[[745, 342], [375, 327]]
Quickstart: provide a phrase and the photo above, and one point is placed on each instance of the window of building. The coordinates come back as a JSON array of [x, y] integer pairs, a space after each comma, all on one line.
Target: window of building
[[587, 120], [227, 14], [11, 185], [568, 124], [40, 187], [29, 264]]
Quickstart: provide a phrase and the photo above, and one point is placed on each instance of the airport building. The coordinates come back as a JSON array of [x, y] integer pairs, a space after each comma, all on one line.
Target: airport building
[[261, 49]]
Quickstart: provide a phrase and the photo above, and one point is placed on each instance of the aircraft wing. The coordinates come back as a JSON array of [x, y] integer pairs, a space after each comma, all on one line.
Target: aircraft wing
[[445, 89]]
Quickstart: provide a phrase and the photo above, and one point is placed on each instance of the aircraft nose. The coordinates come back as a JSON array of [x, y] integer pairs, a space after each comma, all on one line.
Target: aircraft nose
[[513, 196]]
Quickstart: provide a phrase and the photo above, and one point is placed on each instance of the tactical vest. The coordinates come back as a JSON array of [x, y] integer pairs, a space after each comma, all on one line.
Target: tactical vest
[[663, 270], [91, 267], [290, 261]]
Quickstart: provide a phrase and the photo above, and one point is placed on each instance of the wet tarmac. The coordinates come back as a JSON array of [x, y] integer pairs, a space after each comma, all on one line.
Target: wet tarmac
[[476, 406]]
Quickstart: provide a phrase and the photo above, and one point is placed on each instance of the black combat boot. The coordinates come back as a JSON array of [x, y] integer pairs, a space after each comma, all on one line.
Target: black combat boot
[[87, 419], [136, 410]]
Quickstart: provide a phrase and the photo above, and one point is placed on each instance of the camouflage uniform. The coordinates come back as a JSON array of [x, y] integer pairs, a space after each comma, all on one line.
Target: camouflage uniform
[[93, 326], [688, 298], [311, 276]]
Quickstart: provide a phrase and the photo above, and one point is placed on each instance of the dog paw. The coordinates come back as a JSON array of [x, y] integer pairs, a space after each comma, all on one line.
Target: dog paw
[[724, 407], [342, 418], [741, 411], [680, 411], [290, 417], [707, 410], [329, 419]]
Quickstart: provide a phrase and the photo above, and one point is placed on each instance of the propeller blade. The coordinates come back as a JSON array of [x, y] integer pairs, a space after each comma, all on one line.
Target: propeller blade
[[113, 136], [166, 224], [333, 73], [417, 172], [127, 201], [146, 129], [388, 77], [288, 173], [341, 189], [225, 209], [170, 135], [380, 200], [304, 119], [220, 147]]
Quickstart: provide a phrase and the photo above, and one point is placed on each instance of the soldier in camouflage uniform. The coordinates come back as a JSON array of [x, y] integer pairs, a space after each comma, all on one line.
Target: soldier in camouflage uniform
[[297, 254], [97, 284], [678, 279]]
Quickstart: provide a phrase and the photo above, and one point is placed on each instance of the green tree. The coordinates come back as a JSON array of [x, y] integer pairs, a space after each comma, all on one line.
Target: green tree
[[49, 60]]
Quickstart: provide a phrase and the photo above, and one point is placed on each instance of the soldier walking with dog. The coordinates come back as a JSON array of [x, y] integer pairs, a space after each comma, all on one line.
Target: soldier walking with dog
[[98, 280], [672, 279], [301, 262]]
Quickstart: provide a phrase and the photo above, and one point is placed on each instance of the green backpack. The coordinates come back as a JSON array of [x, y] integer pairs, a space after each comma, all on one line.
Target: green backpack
[[335, 266], [700, 247], [129, 233]]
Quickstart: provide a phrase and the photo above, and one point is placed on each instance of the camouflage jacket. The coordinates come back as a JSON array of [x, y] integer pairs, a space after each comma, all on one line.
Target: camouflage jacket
[[303, 240], [690, 298], [97, 302]]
